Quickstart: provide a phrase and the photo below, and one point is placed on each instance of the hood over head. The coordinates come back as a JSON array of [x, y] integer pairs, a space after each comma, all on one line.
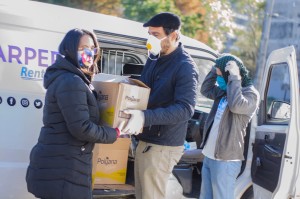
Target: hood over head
[[221, 64], [61, 66]]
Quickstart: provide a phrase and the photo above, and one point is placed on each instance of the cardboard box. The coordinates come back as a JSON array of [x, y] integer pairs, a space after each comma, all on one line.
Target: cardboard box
[[115, 94], [110, 162], [118, 93]]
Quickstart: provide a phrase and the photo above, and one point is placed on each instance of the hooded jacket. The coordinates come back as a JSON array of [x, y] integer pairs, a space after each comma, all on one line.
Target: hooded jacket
[[242, 104], [61, 162]]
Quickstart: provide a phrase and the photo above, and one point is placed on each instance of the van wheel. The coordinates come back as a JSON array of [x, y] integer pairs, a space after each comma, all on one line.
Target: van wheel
[[249, 194]]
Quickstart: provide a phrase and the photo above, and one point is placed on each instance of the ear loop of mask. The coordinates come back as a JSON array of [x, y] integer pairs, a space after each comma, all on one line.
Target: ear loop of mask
[[153, 59], [178, 35]]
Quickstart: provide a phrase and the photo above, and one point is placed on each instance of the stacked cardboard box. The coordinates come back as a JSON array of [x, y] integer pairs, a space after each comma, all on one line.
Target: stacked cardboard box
[[110, 162], [115, 94]]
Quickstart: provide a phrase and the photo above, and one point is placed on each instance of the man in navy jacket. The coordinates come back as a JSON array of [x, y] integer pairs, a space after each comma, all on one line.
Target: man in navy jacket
[[172, 75]]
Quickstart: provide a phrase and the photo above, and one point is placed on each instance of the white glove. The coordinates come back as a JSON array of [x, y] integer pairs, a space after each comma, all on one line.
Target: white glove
[[135, 123], [232, 68]]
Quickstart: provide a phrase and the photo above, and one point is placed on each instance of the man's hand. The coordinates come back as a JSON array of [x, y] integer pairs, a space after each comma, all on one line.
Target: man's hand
[[232, 68], [135, 123]]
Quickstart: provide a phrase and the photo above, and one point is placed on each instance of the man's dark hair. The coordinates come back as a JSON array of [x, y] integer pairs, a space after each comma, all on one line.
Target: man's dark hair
[[169, 21], [168, 31]]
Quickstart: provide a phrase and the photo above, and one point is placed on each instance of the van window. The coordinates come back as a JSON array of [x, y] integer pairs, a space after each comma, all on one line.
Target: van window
[[278, 95], [204, 66], [113, 60]]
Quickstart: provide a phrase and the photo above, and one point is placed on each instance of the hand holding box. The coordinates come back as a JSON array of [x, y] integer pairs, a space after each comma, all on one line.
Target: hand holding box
[[135, 123]]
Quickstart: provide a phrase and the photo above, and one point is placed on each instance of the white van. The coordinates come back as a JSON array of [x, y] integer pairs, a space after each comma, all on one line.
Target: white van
[[30, 33]]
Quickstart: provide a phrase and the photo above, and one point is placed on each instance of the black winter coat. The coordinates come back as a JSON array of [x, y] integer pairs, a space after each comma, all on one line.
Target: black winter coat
[[61, 162]]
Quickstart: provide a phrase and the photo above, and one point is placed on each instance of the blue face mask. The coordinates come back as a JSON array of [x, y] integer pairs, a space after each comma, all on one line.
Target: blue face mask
[[221, 82]]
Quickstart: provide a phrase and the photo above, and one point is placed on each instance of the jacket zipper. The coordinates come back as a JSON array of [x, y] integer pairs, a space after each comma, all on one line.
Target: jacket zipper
[[82, 148], [219, 132]]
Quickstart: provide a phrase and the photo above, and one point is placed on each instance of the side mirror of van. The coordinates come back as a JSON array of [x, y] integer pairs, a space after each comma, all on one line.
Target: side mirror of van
[[280, 110]]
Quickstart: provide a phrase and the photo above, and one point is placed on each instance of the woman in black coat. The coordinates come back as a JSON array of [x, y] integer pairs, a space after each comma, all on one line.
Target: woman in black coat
[[61, 162]]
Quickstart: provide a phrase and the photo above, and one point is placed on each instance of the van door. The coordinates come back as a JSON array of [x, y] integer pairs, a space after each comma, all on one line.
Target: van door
[[275, 163]]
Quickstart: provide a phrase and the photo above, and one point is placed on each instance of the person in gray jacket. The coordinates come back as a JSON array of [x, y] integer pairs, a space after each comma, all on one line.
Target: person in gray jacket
[[61, 162], [235, 103]]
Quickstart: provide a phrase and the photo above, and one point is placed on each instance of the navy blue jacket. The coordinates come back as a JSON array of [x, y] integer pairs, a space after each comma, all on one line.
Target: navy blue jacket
[[173, 80]]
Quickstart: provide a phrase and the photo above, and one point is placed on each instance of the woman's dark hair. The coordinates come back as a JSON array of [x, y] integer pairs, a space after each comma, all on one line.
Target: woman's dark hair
[[69, 47]]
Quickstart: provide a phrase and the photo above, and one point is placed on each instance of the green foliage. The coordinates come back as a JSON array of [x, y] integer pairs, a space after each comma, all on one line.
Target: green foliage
[[192, 24], [109, 7], [143, 10], [67, 3], [219, 20], [248, 39], [210, 21]]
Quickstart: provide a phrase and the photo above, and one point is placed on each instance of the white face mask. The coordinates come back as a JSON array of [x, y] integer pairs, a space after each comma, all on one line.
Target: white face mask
[[153, 45]]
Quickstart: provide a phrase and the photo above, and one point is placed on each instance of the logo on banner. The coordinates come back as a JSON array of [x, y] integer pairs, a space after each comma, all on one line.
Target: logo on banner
[[24, 102], [38, 104], [11, 101], [29, 58]]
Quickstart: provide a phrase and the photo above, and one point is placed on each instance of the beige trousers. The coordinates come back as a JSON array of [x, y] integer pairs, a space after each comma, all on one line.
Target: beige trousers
[[152, 168]]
